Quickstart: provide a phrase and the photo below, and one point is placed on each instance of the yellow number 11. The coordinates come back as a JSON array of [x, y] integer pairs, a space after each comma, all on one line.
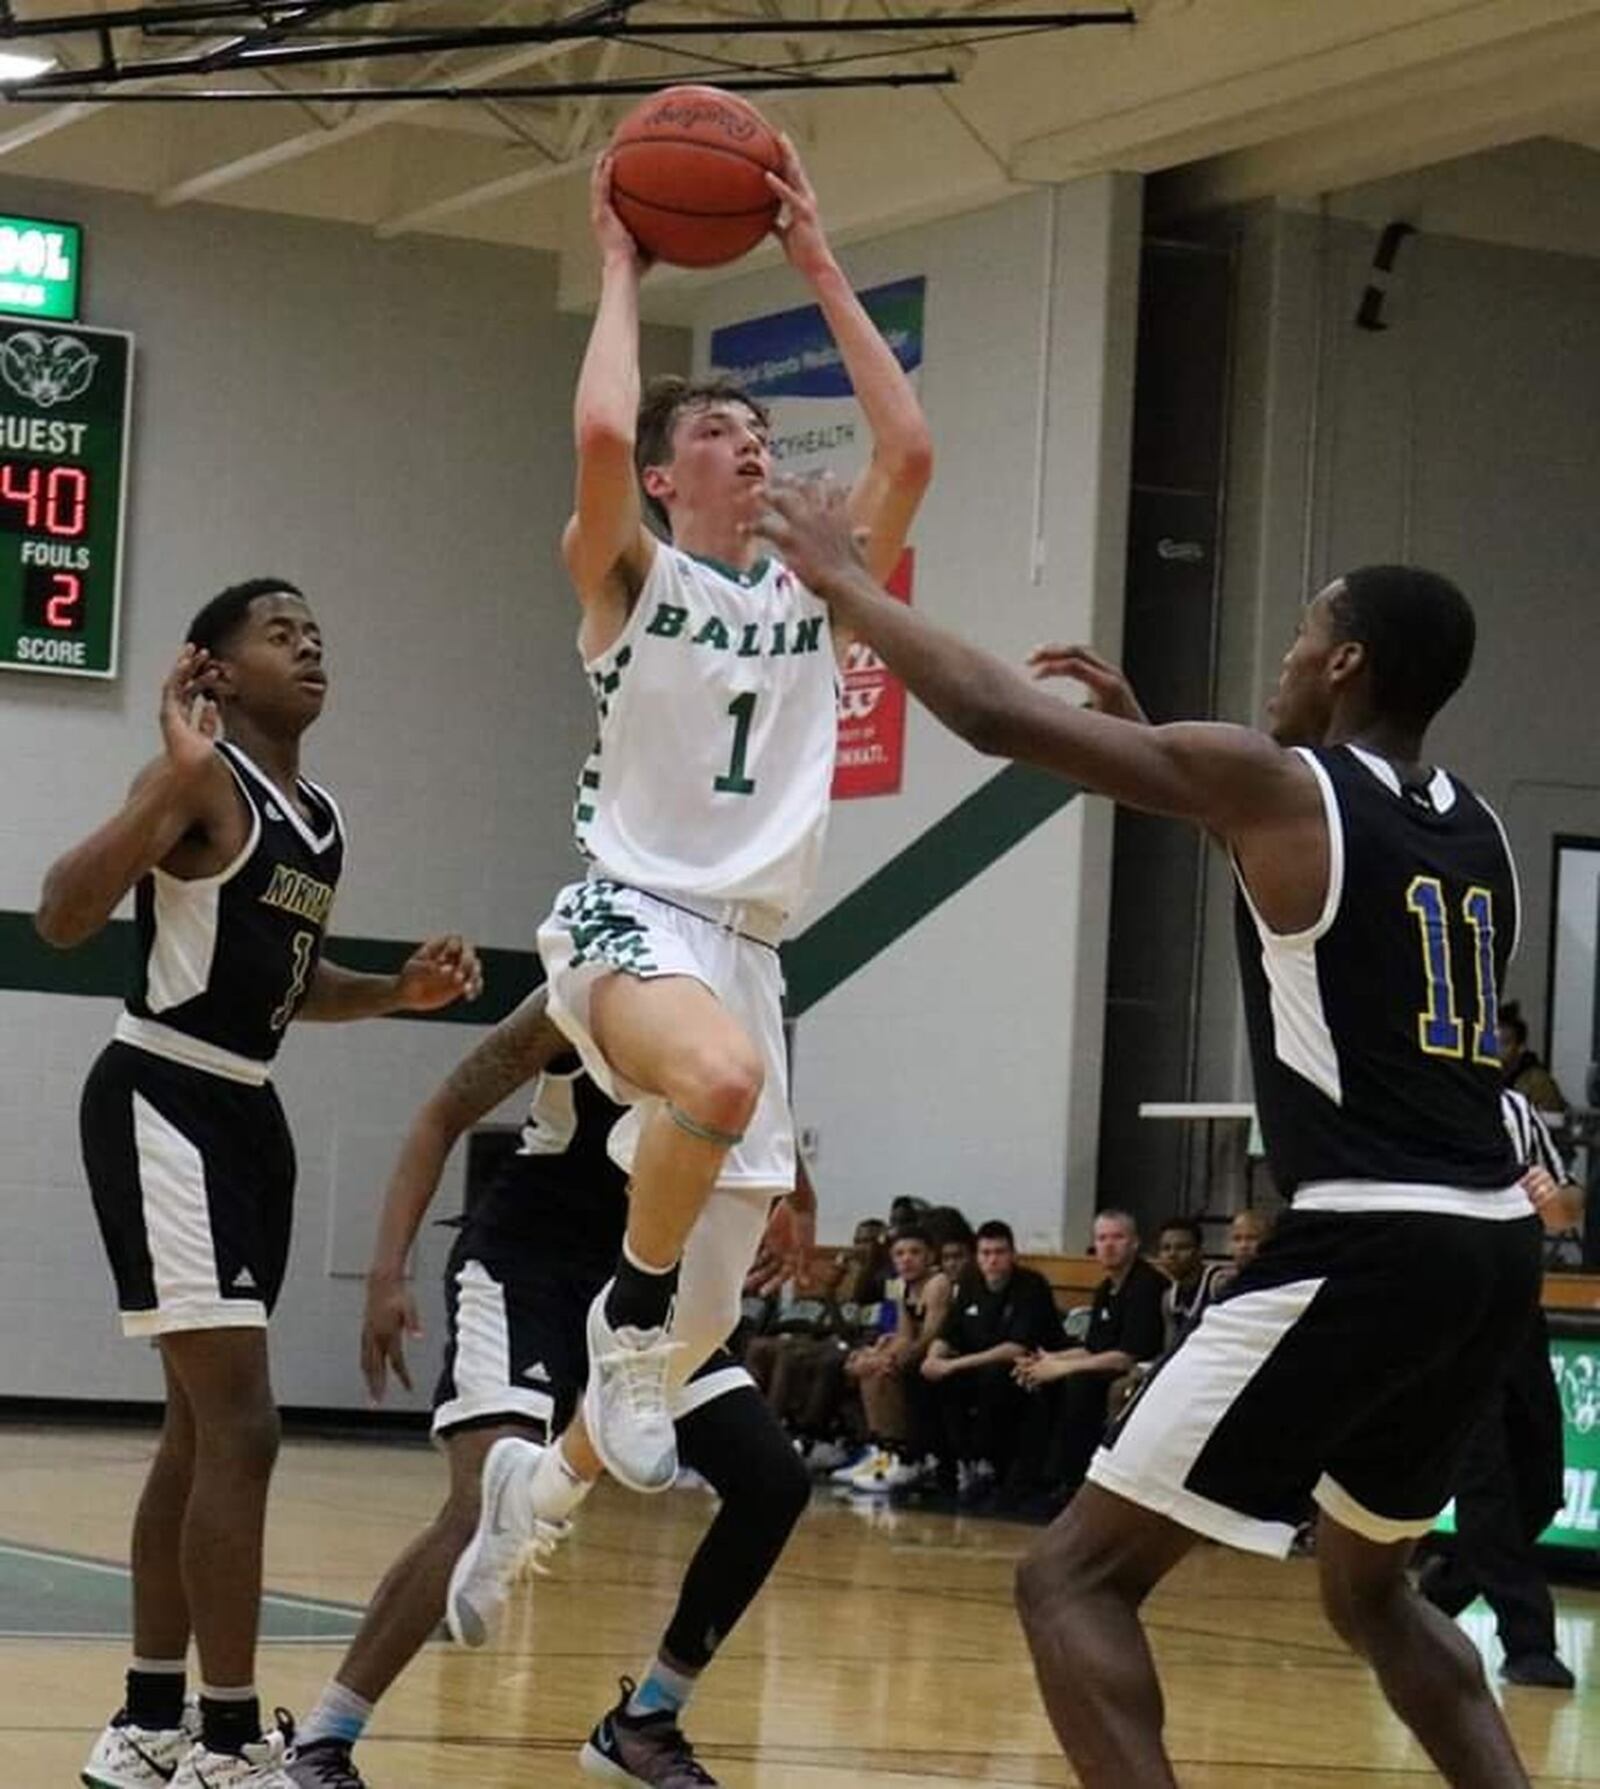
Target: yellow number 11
[[1440, 1031]]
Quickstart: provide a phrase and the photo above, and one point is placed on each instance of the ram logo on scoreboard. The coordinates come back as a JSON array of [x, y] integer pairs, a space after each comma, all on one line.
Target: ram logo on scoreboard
[[64, 396]]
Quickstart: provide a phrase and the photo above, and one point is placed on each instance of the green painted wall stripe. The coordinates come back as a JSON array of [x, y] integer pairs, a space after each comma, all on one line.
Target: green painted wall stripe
[[100, 967], [976, 833], [953, 851]]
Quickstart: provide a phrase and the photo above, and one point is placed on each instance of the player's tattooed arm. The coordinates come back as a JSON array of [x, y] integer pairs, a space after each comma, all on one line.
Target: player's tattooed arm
[[519, 1048], [182, 812]]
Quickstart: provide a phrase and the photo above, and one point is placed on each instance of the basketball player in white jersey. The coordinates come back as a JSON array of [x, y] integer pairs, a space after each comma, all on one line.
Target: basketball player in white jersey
[[701, 810]]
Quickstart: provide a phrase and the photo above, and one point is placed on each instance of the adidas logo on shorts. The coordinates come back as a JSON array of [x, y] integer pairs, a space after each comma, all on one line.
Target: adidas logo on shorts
[[243, 1281]]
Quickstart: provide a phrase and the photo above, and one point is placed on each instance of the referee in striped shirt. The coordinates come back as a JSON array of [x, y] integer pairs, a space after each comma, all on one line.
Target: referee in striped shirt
[[1510, 1483]]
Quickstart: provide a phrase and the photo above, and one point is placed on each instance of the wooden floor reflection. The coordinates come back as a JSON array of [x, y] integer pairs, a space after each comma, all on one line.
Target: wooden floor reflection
[[884, 1653]]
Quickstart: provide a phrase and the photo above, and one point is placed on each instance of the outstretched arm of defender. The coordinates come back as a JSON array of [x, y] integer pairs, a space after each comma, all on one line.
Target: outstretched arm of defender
[[186, 790], [1228, 779], [520, 1047], [607, 547], [438, 972], [886, 496]]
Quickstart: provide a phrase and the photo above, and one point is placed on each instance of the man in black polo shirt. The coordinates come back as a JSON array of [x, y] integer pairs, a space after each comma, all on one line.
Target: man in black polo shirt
[[1126, 1326], [999, 1322]]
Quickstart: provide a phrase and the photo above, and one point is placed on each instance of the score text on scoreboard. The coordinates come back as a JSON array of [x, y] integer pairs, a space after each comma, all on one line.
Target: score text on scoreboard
[[64, 406]]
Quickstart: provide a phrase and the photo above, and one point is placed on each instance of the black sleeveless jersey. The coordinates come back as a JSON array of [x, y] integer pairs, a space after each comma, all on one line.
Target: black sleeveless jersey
[[1372, 1034], [561, 1192], [226, 960]]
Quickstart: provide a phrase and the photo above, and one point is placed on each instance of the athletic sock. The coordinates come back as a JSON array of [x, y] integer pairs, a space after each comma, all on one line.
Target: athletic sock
[[230, 1719], [640, 1295], [339, 1714], [665, 1689], [555, 1489], [155, 1694]]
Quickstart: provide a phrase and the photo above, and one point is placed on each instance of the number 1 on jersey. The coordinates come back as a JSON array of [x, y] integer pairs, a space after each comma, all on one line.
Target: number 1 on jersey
[[1440, 1031], [733, 780], [302, 946]]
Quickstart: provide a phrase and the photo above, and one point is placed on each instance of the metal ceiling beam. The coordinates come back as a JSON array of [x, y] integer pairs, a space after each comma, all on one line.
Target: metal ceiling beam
[[389, 96], [277, 155], [490, 192], [300, 55], [46, 124], [204, 19]]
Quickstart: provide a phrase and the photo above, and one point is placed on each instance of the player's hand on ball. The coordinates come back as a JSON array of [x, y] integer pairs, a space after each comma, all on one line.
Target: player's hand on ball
[[610, 232], [391, 1316], [799, 225], [807, 522], [438, 973], [191, 722], [1108, 687]]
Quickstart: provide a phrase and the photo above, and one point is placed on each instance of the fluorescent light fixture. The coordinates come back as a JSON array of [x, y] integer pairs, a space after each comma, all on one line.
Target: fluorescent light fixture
[[23, 68]]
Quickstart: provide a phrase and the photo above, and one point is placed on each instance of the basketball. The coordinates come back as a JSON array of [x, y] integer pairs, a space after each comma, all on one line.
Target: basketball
[[689, 175]]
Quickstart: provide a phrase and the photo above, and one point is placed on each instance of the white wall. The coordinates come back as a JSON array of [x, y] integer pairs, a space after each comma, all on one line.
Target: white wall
[[963, 1063], [1465, 436], [386, 424]]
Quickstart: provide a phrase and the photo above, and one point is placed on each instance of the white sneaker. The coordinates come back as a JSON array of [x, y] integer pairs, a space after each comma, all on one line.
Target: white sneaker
[[129, 1757], [862, 1458], [259, 1766], [510, 1541], [869, 1475], [829, 1456], [903, 1474], [625, 1402]]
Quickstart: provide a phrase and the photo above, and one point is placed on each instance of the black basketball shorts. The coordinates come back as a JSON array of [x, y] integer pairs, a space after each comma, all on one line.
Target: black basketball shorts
[[192, 1176], [1345, 1368], [517, 1346]]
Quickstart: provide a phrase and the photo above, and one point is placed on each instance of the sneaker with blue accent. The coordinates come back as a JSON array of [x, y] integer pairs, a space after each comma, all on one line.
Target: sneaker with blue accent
[[647, 1750]]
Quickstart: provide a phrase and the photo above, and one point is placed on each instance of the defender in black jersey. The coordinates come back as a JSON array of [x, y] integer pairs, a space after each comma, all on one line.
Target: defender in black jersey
[[1350, 1360], [533, 1252], [234, 859]]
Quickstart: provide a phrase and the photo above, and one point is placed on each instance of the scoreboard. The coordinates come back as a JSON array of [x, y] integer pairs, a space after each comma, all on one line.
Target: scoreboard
[[64, 408]]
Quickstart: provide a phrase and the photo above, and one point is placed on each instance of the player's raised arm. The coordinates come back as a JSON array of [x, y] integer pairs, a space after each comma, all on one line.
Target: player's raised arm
[[1228, 779], [886, 496], [519, 1048], [187, 791], [607, 547]]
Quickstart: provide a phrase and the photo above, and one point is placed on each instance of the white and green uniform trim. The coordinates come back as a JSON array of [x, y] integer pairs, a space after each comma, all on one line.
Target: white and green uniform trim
[[717, 710]]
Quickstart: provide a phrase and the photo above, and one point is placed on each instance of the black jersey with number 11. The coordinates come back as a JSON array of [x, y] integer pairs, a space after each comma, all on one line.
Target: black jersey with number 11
[[225, 961], [1372, 1034]]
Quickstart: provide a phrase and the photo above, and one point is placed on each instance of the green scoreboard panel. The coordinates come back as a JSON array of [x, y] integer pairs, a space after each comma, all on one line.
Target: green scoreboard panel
[[64, 395], [1575, 1361]]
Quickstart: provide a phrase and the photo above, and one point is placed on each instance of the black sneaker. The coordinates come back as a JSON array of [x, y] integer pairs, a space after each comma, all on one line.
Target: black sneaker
[[644, 1749], [1537, 1670]]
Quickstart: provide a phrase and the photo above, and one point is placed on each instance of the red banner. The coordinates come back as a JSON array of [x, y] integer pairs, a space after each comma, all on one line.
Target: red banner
[[872, 714]]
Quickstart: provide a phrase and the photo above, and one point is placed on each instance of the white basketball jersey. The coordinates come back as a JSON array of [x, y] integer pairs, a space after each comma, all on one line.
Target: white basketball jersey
[[718, 713]]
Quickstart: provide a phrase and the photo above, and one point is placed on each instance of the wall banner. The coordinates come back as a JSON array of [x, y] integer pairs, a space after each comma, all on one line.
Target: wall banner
[[788, 360]]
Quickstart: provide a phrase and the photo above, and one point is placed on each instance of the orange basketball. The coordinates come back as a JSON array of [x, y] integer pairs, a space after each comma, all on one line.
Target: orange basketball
[[689, 175]]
